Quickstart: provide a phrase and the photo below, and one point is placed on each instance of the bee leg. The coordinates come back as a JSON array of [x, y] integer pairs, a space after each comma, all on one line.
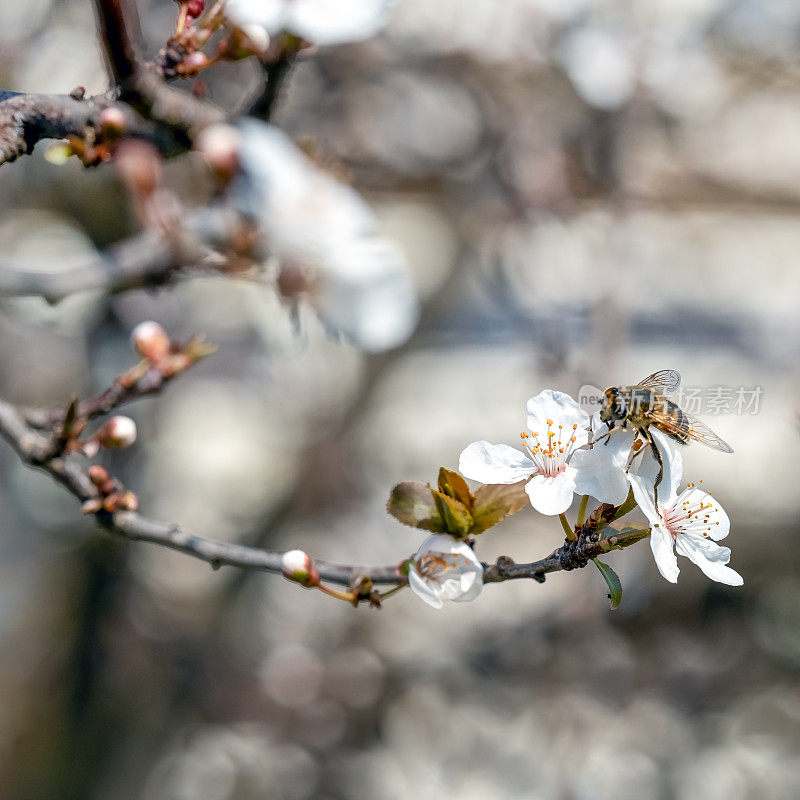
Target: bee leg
[[660, 461], [605, 436], [635, 451]]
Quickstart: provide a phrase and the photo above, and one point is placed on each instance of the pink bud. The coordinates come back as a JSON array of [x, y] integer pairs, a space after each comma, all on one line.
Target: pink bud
[[194, 8], [98, 475], [219, 146], [112, 121], [138, 165], [297, 566], [117, 433], [150, 341], [192, 64]]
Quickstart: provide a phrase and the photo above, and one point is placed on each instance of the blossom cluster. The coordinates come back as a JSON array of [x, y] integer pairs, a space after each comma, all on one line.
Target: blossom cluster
[[564, 453]]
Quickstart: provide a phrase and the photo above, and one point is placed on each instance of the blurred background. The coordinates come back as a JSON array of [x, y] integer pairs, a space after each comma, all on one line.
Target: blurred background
[[587, 192]]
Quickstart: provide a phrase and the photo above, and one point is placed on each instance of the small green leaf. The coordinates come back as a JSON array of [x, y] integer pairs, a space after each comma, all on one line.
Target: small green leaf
[[453, 485], [494, 502], [413, 503], [612, 579], [622, 535], [456, 516]]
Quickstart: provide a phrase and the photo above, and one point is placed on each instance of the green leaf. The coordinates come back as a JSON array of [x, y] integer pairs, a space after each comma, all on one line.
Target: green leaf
[[622, 535], [456, 516], [612, 579], [494, 502], [453, 485], [413, 503]]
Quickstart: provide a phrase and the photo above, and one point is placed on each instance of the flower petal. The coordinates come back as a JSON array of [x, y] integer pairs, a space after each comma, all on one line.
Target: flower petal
[[494, 463], [666, 560], [422, 590], [337, 21], [710, 557], [561, 409], [644, 498], [600, 472], [469, 591], [460, 580], [712, 519], [367, 294], [552, 495], [646, 467]]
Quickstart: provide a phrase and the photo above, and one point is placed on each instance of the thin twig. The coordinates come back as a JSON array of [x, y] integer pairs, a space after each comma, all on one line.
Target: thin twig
[[117, 44], [144, 261]]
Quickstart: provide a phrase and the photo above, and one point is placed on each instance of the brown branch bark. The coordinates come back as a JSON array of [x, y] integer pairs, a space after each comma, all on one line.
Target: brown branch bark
[[144, 261], [142, 86], [28, 118], [117, 44], [175, 117]]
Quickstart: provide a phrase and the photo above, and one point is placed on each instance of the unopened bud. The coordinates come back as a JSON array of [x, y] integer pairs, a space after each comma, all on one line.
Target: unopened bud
[[113, 122], [297, 566], [192, 64], [98, 475], [245, 41], [138, 164], [257, 38], [92, 506], [219, 146], [194, 8], [127, 501], [150, 341], [117, 433]]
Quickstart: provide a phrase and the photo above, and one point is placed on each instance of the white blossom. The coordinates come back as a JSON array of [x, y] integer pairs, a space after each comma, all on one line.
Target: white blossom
[[359, 281], [558, 427], [445, 569], [323, 22], [600, 66], [691, 522]]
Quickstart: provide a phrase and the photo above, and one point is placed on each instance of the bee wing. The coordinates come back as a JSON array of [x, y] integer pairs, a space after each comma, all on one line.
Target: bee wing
[[690, 427], [665, 380]]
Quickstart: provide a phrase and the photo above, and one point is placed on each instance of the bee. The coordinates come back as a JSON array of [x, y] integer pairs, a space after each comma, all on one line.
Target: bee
[[643, 405]]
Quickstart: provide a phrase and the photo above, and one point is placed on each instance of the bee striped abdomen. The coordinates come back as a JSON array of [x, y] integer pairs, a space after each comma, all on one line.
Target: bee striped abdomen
[[682, 425]]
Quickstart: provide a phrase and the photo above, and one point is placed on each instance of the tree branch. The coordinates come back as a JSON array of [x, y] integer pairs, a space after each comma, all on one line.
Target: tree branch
[[33, 448], [117, 44], [145, 260], [26, 119]]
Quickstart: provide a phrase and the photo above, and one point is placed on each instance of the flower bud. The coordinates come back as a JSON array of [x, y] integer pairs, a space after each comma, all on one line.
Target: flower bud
[[245, 41], [127, 501], [257, 38], [192, 64], [194, 8], [92, 506], [98, 475], [150, 341], [219, 146], [138, 165], [113, 122], [297, 566], [117, 433]]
